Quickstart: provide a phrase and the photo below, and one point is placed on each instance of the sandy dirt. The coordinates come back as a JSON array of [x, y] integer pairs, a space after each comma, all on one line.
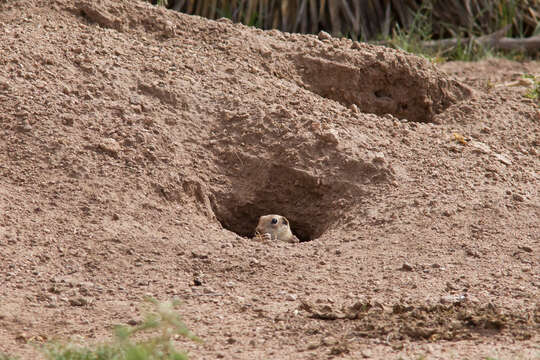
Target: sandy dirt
[[139, 146]]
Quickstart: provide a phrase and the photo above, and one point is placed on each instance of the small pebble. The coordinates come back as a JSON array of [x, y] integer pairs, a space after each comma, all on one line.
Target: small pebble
[[356, 45], [329, 341], [79, 301], [330, 136], [366, 353], [406, 267], [323, 35], [110, 146], [291, 297], [504, 159]]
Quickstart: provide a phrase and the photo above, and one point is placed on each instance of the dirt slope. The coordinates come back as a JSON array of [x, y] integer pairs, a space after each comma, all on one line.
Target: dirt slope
[[138, 147]]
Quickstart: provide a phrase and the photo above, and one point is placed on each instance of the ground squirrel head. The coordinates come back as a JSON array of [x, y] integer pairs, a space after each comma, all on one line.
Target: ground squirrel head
[[276, 226]]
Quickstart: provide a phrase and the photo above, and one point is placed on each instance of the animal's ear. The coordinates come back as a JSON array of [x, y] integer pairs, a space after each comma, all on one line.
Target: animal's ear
[[285, 221]]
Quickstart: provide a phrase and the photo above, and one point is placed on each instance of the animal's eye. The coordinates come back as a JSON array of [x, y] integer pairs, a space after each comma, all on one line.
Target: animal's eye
[[274, 221]]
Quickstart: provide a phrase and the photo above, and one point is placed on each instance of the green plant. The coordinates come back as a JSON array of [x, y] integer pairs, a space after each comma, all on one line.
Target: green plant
[[470, 39], [468, 51], [164, 324], [6, 357], [419, 30], [413, 39], [534, 91]]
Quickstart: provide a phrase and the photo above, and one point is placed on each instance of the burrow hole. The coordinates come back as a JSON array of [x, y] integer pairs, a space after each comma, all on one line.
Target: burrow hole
[[276, 189]]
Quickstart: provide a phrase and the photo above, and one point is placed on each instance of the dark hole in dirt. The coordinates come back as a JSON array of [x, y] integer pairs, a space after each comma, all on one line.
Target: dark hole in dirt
[[382, 93], [250, 213], [280, 190], [380, 87]]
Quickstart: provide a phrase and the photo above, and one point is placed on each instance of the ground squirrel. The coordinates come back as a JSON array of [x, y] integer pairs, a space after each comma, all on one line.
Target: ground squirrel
[[275, 227]]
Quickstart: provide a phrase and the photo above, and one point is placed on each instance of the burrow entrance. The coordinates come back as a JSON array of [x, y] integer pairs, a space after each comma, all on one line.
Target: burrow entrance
[[389, 83], [310, 206], [243, 219]]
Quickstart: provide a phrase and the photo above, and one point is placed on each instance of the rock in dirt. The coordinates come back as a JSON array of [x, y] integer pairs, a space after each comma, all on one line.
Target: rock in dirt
[[22, 337], [329, 341], [452, 299], [503, 158], [110, 146], [406, 267], [291, 297], [323, 35], [356, 45], [133, 322], [99, 14], [4, 84], [339, 349], [473, 253], [78, 301], [24, 126], [330, 136], [366, 353], [526, 248], [480, 147]]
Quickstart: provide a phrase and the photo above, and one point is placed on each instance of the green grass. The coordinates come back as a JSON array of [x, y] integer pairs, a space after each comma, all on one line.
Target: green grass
[[7, 357], [155, 336], [534, 92], [420, 30]]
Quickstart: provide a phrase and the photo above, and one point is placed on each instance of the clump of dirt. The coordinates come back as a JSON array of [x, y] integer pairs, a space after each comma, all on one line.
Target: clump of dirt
[[138, 147]]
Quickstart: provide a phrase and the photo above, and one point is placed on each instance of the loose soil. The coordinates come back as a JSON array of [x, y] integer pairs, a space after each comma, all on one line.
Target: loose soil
[[139, 146]]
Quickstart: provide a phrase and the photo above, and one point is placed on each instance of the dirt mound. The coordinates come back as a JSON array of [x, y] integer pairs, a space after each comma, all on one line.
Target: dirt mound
[[139, 146], [281, 161], [375, 79]]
